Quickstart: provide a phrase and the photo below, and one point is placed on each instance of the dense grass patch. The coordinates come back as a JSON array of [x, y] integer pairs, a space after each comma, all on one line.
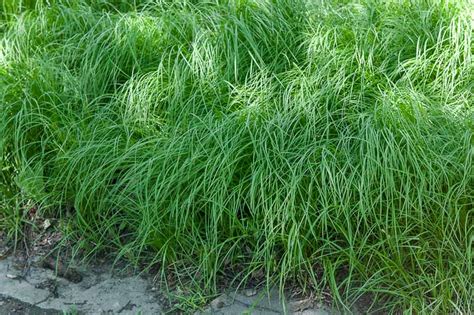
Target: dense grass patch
[[298, 138]]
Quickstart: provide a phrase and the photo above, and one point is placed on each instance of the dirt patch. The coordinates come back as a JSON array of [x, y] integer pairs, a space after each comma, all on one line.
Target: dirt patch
[[11, 306], [97, 293], [33, 281]]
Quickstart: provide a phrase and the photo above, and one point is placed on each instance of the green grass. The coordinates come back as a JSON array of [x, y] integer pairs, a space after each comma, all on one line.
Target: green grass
[[296, 138]]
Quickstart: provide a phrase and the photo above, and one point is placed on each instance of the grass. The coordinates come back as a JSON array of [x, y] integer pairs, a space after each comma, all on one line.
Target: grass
[[324, 142]]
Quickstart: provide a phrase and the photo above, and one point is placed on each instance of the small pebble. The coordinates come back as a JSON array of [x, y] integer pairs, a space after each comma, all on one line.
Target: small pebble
[[46, 224], [250, 292], [218, 303]]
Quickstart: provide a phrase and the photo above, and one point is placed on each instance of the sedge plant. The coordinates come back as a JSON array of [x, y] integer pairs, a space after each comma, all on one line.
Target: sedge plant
[[324, 142]]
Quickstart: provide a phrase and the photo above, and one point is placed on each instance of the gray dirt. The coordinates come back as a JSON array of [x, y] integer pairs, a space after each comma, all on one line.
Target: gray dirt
[[39, 290]]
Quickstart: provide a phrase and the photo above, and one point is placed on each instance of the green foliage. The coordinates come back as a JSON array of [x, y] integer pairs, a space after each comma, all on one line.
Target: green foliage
[[280, 136]]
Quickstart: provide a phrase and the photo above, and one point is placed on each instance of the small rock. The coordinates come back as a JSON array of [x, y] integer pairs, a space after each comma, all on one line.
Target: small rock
[[13, 277], [46, 224], [4, 253], [301, 305], [218, 303], [250, 292]]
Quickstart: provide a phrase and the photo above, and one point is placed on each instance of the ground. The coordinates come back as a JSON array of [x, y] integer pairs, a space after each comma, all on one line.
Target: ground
[[33, 280], [100, 289], [14, 306]]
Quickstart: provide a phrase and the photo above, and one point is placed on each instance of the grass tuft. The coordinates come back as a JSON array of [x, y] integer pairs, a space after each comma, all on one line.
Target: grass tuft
[[234, 137]]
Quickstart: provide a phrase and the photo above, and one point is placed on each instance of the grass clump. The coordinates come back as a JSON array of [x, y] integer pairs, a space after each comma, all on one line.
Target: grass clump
[[299, 138]]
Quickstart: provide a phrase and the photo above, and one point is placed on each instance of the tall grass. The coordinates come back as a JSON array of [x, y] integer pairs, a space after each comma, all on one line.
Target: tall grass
[[325, 142]]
